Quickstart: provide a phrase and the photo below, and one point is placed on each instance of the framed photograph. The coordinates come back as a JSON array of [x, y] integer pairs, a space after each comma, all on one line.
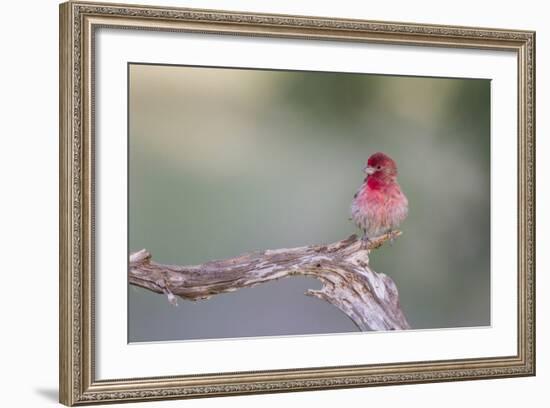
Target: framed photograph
[[256, 203]]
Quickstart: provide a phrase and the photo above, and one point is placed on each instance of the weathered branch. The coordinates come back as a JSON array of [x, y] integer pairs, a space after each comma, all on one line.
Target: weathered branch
[[368, 298]]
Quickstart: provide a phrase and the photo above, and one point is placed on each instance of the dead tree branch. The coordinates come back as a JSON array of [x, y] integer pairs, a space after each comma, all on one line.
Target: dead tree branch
[[368, 298]]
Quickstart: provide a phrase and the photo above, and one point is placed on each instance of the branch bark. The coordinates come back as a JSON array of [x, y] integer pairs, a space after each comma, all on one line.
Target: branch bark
[[368, 298]]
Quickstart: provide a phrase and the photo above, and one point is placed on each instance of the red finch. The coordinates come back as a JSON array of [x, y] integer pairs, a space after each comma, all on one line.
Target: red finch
[[379, 205]]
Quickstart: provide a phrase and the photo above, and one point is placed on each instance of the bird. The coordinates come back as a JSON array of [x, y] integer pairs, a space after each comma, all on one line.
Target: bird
[[379, 206]]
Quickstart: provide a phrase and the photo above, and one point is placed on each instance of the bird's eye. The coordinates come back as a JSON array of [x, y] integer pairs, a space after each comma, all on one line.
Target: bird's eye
[[379, 167]]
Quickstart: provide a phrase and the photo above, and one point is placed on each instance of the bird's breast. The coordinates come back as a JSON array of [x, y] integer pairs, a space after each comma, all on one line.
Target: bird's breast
[[381, 207]]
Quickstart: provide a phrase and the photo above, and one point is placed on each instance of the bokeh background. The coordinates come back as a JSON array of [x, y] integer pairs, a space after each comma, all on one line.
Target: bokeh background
[[226, 161]]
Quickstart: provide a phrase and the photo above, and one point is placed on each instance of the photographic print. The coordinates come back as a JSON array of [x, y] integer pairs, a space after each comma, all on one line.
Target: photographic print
[[251, 188]]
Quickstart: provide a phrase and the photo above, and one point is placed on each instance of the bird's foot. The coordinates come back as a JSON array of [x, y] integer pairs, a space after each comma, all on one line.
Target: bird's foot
[[392, 237], [365, 240]]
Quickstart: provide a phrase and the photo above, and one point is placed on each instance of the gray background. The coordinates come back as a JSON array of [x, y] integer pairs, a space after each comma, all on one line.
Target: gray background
[[226, 161]]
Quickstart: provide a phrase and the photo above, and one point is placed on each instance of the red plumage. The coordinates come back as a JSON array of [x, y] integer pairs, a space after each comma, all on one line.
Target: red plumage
[[379, 206]]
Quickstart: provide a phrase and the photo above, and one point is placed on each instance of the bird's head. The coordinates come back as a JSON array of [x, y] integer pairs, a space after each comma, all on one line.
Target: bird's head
[[380, 165]]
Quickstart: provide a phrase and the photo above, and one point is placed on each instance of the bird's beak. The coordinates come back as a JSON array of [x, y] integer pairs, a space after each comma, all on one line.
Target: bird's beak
[[369, 170]]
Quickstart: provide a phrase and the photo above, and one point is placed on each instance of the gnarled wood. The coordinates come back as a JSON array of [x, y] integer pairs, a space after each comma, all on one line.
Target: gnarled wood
[[368, 298]]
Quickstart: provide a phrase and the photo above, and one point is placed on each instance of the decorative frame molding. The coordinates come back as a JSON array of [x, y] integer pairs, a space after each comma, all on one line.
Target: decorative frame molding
[[78, 21]]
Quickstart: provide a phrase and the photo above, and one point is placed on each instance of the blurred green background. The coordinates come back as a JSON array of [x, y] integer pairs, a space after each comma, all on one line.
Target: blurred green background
[[227, 161]]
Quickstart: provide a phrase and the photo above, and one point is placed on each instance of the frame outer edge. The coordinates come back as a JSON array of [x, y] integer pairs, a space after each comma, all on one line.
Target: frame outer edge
[[66, 373], [534, 237]]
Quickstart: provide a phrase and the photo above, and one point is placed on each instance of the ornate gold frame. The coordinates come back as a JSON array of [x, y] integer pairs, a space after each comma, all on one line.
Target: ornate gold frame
[[78, 22]]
